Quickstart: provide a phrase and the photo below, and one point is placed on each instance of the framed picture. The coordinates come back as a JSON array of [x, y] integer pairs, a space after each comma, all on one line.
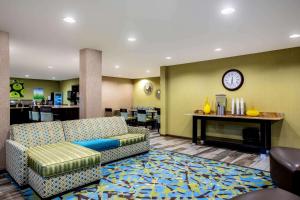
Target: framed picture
[[38, 94]]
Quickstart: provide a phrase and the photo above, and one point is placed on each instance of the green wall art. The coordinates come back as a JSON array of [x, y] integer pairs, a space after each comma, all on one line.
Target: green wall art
[[16, 89], [38, 94]]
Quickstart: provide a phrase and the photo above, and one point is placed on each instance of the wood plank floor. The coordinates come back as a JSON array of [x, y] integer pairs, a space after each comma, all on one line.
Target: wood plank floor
[[185, 146], [8, 189]]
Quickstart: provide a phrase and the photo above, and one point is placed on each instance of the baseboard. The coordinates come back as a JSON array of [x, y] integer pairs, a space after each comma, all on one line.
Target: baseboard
[[176, 136]]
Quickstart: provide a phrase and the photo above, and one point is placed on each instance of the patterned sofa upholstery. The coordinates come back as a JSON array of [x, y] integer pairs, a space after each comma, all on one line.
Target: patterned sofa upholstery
[[25, 137], [108, 127]]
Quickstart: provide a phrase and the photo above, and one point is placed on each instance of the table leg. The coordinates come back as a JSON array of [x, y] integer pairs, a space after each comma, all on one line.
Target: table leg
[[268, 135], [195, 127], [203, 131], [263, 137]]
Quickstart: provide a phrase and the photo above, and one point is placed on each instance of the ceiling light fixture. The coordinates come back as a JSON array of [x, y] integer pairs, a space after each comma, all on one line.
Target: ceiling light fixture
[[53, 78], [227, 11], [131, 39], [293, 36], [50, 67], [27, 76], [147, 71], [168, 57], [70, 20], [117, 66], [218, 49]]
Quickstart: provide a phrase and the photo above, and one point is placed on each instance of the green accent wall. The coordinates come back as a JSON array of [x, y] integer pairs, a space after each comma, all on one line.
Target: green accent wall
[[271, 84], [30, 84], [139, 96]]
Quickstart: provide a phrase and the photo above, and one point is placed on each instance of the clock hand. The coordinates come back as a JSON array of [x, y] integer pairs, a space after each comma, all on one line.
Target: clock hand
[[231, 80]]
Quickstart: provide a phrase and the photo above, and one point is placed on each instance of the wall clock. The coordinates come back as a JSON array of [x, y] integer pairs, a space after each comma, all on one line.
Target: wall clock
[[233, 79], [148, 88]]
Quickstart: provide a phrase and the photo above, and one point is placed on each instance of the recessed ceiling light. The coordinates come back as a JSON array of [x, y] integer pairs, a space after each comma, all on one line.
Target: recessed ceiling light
[[227, 11], [117, 66], [131, 39], [119, 75], [218, 49], [50, 67], [148, 71], [27, 76], [168, 57], [70, 20], [294, 36]]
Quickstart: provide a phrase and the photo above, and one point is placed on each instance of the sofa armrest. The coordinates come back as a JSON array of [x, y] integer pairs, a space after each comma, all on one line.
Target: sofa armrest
[[132, 129], [16, 161]]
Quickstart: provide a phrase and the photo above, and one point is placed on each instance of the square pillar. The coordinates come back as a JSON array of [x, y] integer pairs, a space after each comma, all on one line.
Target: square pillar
[[90, 83], [163, 100], [4, 94]]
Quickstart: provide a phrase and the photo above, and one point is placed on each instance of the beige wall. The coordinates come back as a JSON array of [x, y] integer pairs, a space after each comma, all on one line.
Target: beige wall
[[140, 98], [29, 84], [271, 84], [116, 92]]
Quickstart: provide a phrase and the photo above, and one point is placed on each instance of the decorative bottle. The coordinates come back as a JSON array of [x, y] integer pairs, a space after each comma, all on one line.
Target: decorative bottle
[[237, 106], [242, 107], [232, 106]]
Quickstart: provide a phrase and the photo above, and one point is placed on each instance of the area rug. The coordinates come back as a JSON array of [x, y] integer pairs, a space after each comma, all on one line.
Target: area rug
[[163, 174]]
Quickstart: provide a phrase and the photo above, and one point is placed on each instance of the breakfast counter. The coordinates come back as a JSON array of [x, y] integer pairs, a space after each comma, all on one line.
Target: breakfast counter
[[19, 115]]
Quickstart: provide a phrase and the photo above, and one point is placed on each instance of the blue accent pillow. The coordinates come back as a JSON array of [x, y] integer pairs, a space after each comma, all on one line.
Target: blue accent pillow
[[100, 144]]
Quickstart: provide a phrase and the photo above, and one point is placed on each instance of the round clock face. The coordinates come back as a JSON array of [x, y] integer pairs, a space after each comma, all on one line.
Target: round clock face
[[233, 79]]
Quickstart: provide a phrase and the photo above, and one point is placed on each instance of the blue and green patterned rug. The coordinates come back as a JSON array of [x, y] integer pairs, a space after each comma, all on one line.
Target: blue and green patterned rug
[[169, 175]]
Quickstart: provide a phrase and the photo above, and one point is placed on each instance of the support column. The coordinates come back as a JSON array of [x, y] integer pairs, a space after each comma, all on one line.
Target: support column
[[4, 94], [163, 100], [90, 83]]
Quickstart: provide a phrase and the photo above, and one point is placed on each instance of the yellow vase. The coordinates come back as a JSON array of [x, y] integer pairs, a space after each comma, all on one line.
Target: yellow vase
[[206, 108]]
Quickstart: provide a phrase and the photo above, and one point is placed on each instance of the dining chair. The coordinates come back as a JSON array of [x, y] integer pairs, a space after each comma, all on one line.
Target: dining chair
[[131, 120], [157, 117], [46, 114], [143, 120], [108, 112]]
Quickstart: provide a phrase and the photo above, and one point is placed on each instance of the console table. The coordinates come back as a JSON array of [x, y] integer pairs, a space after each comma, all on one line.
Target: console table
[[265, 119]]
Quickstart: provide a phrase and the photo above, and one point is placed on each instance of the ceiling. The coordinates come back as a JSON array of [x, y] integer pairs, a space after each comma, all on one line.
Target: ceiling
[[186, 30]]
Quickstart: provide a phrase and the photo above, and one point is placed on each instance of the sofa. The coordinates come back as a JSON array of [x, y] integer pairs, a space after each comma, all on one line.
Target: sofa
[[48, 155]]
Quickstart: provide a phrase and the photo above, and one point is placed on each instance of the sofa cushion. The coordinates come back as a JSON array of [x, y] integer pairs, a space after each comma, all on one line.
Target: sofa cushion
[[86, 129], [53, 159], [34, 134], [130, 138], [100, 144]]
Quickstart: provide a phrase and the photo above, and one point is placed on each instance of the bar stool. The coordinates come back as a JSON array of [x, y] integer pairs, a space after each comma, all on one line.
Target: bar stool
[[46, 114], [35, 114], [30, 114]]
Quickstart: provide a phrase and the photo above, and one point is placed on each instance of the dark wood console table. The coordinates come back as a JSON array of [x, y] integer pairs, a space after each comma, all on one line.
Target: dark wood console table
[[265, 119]]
